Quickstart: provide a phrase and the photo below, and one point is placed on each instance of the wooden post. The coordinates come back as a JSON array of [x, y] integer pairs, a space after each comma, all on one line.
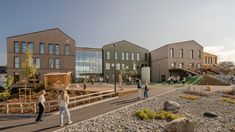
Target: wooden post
[[7, 109], [35, 107], [21, 108]]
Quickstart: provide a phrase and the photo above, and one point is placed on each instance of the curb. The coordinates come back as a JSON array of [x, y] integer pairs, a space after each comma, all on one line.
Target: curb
[[119, 109]]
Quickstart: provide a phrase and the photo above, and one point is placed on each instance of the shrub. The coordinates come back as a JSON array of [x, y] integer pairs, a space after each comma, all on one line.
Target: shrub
[[146, 114], [189, 96], [165, 115], [4, 95], [208, 88], [232, 101]]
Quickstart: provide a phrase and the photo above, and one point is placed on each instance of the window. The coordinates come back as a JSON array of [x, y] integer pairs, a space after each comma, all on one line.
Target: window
[[31, 62], [115, 55], [31, 47], [191, 65], [205, 60], [181, 53], [146, 56], [123, 56], [17, 62], [173, 65], [123, 67], [199, 54], [57, 64], [181, 65], [198, 65], [138, 56], [57, 49], [132, 56], [16, 47], [191, 54], [51, 66], [42, 48], [127, 56], [107, 66], [172, 53], [38, 62], [134, 67], [127, 67], [67, 50], [108, 55], [23, 44], [50, 49], [118, 66], [16, 77], [215, 60]]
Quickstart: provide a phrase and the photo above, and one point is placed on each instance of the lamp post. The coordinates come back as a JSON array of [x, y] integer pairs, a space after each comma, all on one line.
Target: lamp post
[[159, 75], [114, 45]]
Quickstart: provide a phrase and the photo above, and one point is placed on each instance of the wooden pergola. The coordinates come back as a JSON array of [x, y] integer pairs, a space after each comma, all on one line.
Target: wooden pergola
[[57, 80]]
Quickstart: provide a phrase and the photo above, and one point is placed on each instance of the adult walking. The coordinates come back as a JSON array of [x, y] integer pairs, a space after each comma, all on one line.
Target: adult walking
[[41, 105], [146, 89], [63, 101], [139, 88]]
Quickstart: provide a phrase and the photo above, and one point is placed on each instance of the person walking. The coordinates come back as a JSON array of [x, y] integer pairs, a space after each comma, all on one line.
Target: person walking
[[63, 100], [107, 79], [184, 80], [84, 84], [41, 106], [139, 88], [146, 89]]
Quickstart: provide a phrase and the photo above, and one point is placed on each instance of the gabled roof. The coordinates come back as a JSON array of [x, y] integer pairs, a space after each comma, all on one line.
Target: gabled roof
[[42, 31], [126, 42]]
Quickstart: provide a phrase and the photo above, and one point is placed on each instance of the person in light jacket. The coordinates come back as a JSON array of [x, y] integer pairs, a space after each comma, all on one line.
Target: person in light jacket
[[63, 100], [41, 106]]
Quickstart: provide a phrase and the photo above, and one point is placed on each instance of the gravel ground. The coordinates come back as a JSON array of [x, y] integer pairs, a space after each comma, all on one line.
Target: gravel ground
[[123, 120]]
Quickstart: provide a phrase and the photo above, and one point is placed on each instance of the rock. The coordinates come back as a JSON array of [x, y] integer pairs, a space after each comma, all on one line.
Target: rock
[[210, 114], [180, 125], [172, 106]]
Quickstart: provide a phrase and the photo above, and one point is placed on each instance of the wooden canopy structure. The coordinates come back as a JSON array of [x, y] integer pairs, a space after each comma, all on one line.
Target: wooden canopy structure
[[57, 80]]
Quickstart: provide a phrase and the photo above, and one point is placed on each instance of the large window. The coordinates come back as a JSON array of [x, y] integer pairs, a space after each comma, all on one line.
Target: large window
[[191, 65], [57, 49], [118, 66], [107, 66], [67, 50], [50, 49], [57, 64], [31, 47], [137, 56], [181, 53], [172, 53], [134, 66], [173, 65], [38, 63], [198, 65], [181, 65], [51, 65], [123, 56], [132, 56], [191, 54], [24, 46], [127, 56], [199, 54], [16, 77], [116, 55], [108, 55], [42, 48], [16, 47], [17, 62]]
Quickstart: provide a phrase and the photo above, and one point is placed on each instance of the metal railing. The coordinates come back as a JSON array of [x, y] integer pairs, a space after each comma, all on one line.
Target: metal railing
[[52, 105]]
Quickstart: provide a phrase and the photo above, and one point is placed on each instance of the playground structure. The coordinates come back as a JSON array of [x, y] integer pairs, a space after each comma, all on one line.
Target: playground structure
[[57, 80]]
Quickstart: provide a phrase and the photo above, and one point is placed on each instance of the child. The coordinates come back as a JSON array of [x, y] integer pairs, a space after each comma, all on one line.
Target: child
[[146, 89]]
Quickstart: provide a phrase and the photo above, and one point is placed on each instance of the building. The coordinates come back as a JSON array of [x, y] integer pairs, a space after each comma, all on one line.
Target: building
[[175, 59], [126, 57], [53, 51], [88, 63], [210, 60], [3, 76]]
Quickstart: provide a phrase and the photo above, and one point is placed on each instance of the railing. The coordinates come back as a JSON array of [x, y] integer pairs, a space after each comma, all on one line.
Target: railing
[[52, 105]]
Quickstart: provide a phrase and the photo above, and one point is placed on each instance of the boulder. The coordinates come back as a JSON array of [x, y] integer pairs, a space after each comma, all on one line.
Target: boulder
[[210, 114], [172, 106], [180, 125]]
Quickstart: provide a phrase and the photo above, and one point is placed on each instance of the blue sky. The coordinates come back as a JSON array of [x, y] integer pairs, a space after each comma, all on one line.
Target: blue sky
[[148, 23]]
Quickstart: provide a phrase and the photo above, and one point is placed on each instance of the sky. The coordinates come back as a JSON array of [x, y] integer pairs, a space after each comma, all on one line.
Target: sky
[[147, 23]]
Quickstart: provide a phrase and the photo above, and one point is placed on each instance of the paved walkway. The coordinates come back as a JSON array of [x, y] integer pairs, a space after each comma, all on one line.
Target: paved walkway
[[51, 123]]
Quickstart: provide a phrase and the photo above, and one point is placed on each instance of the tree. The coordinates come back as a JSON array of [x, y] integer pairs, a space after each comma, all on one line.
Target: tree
[[9, 83], [226, 67], [29, 69]]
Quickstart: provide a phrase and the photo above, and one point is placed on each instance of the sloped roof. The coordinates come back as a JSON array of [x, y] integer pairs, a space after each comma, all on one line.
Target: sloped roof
[[126, 42]]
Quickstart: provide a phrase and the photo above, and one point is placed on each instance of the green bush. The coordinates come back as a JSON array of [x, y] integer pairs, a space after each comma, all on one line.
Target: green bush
[[4, 95], [229, 100], [146, 114]]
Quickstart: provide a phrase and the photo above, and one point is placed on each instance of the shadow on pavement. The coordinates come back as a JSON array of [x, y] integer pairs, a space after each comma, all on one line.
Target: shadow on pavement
[[127, 101], [9, 127], [44, 129]]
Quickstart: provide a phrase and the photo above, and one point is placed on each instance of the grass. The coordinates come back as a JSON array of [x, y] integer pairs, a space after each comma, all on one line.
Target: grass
[[193, 79], [229, 100], [146, 114], [189, 97]]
